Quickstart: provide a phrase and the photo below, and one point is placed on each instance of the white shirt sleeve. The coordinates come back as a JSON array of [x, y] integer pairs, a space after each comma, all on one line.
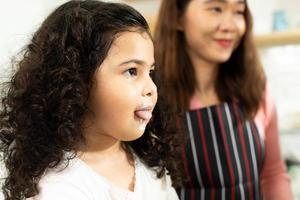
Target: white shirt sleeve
[[60, 191]]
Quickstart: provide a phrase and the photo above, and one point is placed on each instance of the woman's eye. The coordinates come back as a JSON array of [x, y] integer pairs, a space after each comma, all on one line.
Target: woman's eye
[[131, 72], [216, 9], [240, 12]]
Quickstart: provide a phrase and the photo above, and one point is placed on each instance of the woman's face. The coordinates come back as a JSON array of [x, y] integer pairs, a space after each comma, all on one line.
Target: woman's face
[[124, 95], [213, 28]]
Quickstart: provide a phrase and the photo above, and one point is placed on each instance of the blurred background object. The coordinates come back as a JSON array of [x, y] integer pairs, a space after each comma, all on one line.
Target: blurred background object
[[277, 35], [279, 20]]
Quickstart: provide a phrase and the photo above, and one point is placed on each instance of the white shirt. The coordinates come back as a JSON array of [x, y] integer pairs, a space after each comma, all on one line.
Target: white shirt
[[80, 182]]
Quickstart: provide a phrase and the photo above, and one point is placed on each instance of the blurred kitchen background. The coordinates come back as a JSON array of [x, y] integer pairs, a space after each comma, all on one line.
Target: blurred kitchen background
[[277, 35]]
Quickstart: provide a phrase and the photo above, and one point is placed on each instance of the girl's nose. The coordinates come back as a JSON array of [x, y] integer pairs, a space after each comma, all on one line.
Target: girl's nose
[[150, 88]]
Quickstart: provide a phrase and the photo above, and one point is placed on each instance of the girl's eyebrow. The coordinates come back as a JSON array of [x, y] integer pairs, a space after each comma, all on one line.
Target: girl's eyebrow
[[136, 61]]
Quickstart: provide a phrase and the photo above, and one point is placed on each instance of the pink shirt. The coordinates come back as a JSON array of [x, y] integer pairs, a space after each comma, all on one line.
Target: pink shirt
[[275, 182]]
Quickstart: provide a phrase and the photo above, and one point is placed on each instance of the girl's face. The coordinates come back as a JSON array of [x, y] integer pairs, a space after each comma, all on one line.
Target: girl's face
[[124, 95], [213, 28]]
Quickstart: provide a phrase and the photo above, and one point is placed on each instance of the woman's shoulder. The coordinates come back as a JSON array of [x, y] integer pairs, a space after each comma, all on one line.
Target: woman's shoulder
[[266, 111], [267, 105]]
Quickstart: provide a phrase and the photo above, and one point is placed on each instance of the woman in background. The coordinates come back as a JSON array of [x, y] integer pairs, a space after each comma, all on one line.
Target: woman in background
[[213, 78]]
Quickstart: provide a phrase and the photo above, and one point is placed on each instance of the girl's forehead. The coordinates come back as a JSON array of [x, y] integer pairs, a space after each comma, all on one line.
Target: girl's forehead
[[131, 39], [131, 46], [222, 1]]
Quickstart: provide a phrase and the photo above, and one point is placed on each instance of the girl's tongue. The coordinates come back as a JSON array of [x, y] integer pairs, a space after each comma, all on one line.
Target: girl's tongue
[[143, 114]]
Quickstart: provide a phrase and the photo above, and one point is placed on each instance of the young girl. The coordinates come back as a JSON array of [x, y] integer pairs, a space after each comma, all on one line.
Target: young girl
[[74, 116], [211, 72]]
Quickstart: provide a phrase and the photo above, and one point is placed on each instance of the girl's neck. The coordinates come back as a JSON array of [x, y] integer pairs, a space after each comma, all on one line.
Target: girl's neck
[[100, 144], [109, 158], [101, 155]]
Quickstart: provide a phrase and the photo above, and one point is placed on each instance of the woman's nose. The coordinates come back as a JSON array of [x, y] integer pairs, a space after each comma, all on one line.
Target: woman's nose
[[228, 23]]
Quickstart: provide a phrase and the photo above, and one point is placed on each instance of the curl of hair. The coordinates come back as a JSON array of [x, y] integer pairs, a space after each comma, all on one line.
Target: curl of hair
[[46, 98]]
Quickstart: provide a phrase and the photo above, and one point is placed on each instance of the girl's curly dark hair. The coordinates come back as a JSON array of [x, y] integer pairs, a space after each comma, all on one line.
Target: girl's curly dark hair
[[45, 100]]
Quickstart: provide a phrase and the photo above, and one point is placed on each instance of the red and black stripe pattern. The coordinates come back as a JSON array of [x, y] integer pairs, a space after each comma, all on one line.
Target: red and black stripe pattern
[[223, 155]]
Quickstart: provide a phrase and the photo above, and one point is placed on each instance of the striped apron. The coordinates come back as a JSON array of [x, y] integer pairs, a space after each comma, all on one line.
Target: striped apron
[[223, 155]]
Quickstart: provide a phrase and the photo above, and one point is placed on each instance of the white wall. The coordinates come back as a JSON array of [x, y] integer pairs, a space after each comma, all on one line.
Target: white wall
[[263, 13], [292, 7], [18, 21]]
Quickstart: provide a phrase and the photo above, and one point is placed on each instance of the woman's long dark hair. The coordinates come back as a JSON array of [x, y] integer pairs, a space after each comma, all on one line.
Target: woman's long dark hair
[[43, 104], [241, 77]]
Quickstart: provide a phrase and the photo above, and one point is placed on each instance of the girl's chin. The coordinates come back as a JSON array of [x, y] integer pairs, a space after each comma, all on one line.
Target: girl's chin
[[134, 136]]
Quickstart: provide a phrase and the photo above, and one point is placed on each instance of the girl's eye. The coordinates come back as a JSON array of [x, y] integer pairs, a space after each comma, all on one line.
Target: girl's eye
[[131, 72], [151, 73]]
